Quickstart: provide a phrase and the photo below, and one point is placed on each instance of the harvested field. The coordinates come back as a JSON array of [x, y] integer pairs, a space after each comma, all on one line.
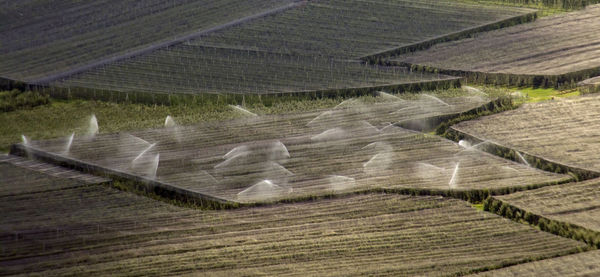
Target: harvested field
[[564, 131], [97, 230], [582, 264], [42, 38], [353, 147], [555, 45]]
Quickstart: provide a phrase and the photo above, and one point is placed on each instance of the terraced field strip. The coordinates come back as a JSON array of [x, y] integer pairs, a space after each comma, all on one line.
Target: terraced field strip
[[561, 131], [353, 147], [551, 51], [40, 177], [582, 264], [101, 231], [46, 41], [350, 30], [197, 69], [572, 210]]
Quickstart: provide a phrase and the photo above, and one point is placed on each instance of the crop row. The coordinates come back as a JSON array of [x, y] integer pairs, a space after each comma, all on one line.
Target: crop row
[[552, 51], [353, 147], [97, 230], [41, 38]]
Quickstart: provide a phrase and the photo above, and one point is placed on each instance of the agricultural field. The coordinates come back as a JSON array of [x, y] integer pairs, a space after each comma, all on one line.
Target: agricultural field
[[284, 53], [38, 177], [563, 131], [197, 69], [352, 147], [554, 45], [574, 203], [98, 230], [351, 30], [45, 38], [582, 264]]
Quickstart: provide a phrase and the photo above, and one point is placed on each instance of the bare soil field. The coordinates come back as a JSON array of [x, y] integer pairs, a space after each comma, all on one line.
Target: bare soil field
[[564, 131], [97, 230], [555, 45]]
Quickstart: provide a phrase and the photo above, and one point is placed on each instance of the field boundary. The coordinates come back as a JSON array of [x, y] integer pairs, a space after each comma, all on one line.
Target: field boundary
[[563, 229], [144, 185], [428, 124], [69, 93], [380, 57], [494, 148], [567, 80], [166, 44]]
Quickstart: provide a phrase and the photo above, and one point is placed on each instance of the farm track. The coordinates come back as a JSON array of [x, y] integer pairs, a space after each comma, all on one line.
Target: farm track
[[114, 232]]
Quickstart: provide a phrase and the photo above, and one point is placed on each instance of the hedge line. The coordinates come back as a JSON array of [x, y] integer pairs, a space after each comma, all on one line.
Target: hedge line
[[562, 4], [563, 229], [562, 81]]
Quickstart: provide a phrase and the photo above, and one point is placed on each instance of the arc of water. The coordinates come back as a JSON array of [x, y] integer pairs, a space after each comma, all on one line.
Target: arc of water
[[242, 110], [435, 99], [25, 140], [69, 143], [154, 167], [386, 95], [453, 180], [319, 117], [522, 159], [93, 126], [143, 152], [170, 122]]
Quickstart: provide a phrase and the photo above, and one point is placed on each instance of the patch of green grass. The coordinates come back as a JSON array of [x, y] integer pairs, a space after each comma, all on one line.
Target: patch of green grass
[[61, 118], [532, 95], [16, 99], [478, 206]]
